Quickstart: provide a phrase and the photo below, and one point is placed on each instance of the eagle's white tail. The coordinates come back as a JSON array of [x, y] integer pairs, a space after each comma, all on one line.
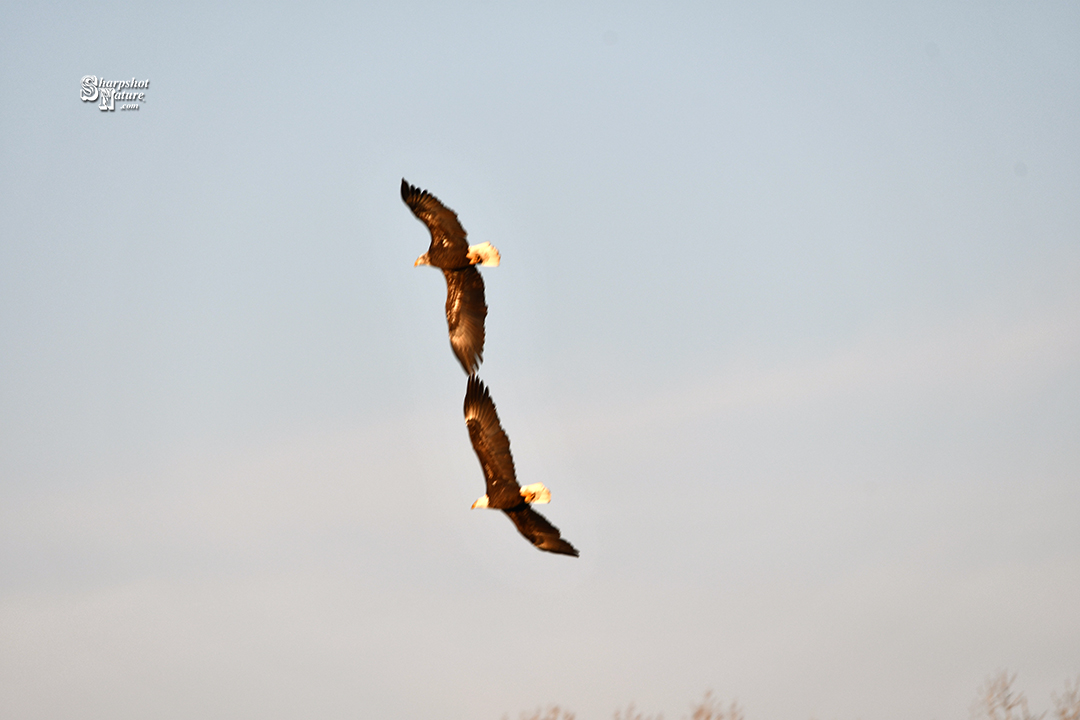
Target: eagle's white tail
[[536, 494], [484, 254]]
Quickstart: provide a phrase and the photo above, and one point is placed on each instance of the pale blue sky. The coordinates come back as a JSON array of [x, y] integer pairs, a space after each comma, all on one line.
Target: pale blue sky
[[788, 320]]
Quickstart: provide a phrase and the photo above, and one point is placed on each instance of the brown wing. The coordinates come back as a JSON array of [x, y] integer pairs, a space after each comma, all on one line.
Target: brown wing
[[465, 313], [448, 249], [492, 447], [537, 530]]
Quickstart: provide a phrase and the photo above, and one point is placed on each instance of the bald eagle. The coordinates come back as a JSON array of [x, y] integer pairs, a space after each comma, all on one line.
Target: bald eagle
[[465, 307], [503, 492]]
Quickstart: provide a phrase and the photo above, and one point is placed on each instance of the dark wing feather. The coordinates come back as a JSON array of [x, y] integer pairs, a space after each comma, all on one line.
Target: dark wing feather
[[465, 313], [536, 528], [449, 249], [492, 447]]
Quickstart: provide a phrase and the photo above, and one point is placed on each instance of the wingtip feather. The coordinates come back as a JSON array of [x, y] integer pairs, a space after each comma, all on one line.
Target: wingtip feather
[[475, 392]]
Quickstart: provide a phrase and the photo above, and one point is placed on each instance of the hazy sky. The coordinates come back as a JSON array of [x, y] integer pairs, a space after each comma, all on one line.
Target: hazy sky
[[788, 319]]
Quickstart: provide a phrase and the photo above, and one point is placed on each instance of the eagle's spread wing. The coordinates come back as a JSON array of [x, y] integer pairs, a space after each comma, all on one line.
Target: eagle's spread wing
[[539, 531], [465, 313], [449, 248], [492, 447]]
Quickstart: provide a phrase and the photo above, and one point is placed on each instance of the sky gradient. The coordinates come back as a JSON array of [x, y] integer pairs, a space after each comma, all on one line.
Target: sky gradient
[[788, 319]]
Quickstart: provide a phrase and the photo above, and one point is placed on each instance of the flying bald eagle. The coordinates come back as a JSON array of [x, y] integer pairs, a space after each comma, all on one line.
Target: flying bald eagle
[[503, 492], [465, 307]]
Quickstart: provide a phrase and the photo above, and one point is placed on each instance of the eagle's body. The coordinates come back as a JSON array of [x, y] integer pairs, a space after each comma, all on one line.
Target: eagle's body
[[492, 447], [451, 253]]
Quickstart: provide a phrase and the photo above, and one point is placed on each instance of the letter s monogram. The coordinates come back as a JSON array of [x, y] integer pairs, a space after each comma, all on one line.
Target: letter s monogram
[[89, 88]]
